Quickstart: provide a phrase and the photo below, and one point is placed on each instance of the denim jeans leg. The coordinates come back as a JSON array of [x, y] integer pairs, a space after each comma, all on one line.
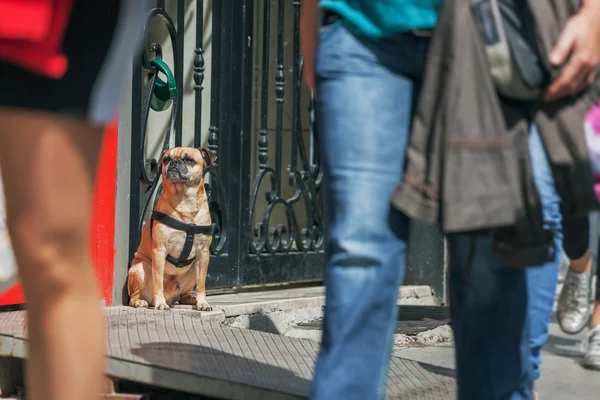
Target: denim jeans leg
[[364, 110], [488, 303], [500, 314], [542, 280]]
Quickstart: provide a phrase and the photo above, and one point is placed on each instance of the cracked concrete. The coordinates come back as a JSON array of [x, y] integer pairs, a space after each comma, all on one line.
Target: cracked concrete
[[280, 311], [442, 335], [279, 322]]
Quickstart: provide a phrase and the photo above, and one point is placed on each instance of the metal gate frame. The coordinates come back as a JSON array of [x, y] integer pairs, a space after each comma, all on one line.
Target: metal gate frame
[[245, 252]]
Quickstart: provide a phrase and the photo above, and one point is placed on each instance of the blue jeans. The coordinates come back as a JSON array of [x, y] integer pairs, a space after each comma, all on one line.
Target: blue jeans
[[542, 280], [366, 96]]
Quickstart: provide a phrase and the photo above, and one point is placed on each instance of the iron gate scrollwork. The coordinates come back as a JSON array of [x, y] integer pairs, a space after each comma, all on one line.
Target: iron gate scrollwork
[[269, 217], [295, 248]]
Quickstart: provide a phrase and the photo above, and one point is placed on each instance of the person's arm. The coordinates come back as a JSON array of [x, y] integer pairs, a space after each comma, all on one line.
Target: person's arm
[[577, 51], [309, 31]]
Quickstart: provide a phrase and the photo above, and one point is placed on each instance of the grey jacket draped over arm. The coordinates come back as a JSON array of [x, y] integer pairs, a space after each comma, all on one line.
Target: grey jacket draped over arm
[[468, 165]]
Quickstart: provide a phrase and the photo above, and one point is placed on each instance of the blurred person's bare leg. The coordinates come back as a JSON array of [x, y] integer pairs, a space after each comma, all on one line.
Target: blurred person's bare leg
[[582, 264], [595, 320], [48, 165]]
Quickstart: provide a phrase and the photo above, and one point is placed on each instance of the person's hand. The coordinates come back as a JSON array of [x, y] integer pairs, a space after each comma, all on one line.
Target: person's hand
[[309, 27], [577, 51]]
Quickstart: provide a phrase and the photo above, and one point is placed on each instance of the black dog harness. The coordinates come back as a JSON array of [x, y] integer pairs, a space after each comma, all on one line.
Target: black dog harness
[[191, 230]]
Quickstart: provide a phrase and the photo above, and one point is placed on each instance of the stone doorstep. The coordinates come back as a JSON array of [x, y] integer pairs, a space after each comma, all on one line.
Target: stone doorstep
[[232, 305], [285, 308]]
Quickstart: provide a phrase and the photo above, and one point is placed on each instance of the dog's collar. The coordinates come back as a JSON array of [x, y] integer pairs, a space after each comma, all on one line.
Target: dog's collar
[[191, 230]]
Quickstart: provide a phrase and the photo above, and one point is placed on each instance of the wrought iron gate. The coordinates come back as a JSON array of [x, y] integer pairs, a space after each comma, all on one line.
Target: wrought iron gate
[[265, 191]]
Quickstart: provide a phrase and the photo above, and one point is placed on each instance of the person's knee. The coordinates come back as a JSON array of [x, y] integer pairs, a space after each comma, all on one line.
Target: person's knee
[[358, 245], [51, 253]]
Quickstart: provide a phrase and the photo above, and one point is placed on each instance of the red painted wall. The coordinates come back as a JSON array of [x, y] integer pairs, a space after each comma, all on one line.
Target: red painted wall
[[102, 230]]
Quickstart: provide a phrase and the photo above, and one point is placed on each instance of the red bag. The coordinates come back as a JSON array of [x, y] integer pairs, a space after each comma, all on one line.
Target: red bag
[[31, 34]]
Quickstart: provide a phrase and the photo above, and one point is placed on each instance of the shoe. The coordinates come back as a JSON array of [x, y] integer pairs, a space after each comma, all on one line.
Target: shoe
[[591, 348], [574, 303]]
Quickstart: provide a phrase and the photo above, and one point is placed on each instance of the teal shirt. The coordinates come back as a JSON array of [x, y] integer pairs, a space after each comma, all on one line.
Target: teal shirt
[[384, 18]]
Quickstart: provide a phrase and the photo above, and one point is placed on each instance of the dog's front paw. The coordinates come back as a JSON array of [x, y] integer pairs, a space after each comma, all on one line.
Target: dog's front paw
[[203, 306], [161, 305], [140, 304]]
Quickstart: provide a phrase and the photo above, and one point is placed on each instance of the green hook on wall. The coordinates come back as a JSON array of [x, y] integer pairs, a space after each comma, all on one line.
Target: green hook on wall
[[164, 92]]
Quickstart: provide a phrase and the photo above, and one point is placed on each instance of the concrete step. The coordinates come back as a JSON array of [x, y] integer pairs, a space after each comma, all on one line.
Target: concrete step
[[268, 301]]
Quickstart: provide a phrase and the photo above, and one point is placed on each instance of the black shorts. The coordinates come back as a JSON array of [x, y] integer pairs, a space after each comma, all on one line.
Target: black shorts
[[99, 43]]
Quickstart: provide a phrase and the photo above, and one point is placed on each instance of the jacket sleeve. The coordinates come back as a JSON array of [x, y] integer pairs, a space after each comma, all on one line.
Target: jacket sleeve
[[418, 195]]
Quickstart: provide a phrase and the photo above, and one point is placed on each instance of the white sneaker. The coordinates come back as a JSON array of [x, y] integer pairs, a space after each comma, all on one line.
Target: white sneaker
[[591, 348], [573, 309]]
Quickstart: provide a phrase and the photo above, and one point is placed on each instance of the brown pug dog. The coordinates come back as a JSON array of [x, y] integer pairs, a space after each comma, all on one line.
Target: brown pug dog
[[153, 280]]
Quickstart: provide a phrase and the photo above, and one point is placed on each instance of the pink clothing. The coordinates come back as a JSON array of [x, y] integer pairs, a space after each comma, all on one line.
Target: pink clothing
[[592, 135]]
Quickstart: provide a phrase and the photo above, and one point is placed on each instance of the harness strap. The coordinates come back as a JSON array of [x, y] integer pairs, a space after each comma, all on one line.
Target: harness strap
[[191, 230]]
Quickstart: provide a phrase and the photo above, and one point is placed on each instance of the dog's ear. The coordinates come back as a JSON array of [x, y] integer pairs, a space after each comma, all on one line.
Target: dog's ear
[[160, 161], [208, 157]]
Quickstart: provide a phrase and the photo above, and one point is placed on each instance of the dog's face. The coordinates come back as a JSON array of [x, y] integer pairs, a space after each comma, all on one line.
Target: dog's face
[[185, 165]]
